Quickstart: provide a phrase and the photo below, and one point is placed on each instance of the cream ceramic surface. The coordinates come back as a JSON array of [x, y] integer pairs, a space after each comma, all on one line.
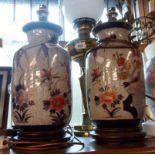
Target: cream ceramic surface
[[149, 61], [41, 92], [115, 80], [121, 33], [40, 35]]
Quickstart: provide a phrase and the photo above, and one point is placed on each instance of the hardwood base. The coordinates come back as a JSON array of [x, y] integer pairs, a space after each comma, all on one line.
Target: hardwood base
[[29, 140], [118, 135], [123, 123]]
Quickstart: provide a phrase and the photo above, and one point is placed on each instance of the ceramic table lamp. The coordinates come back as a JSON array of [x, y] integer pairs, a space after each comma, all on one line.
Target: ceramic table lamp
[[115, 83], [41, 90]]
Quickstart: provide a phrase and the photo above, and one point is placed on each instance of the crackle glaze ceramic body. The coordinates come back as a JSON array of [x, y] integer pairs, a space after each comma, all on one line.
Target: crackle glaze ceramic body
[[114, 78], [41, 93], [149, 61]]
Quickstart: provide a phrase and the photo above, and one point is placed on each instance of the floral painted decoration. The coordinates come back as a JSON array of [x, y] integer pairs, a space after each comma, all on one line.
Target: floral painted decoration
[[109, 100], [21, 105], [55, 105], [123, 66], [58, 100], [112, 102]]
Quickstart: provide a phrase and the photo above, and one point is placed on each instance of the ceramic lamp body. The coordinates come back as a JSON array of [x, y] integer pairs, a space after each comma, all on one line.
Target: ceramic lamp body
[[149, 68], [41, 92], [75, 9], [149, 50], [114, 79], [149, 74]]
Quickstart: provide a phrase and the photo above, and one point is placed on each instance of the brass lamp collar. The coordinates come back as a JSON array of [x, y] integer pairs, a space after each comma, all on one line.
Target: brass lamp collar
[[84, 23]]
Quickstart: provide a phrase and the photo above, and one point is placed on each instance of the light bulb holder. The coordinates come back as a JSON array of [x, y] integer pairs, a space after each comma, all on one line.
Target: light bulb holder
[[83, 26], [83, 21]]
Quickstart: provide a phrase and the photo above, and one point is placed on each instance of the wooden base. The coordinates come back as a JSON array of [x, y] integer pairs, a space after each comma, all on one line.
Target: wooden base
[[118, 135], [41, 135], [27, 140]]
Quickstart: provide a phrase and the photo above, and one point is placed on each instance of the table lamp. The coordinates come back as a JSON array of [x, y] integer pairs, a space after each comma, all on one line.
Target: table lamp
[[82, 15]]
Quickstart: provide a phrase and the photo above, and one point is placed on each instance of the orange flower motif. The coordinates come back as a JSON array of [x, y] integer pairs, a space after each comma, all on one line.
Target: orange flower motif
[[107, 97], [121, 61], [122, 75], [57, 103]]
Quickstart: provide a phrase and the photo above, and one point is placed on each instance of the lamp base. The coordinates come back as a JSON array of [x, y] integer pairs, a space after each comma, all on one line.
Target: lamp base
[[35, 140], [118, 135]]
